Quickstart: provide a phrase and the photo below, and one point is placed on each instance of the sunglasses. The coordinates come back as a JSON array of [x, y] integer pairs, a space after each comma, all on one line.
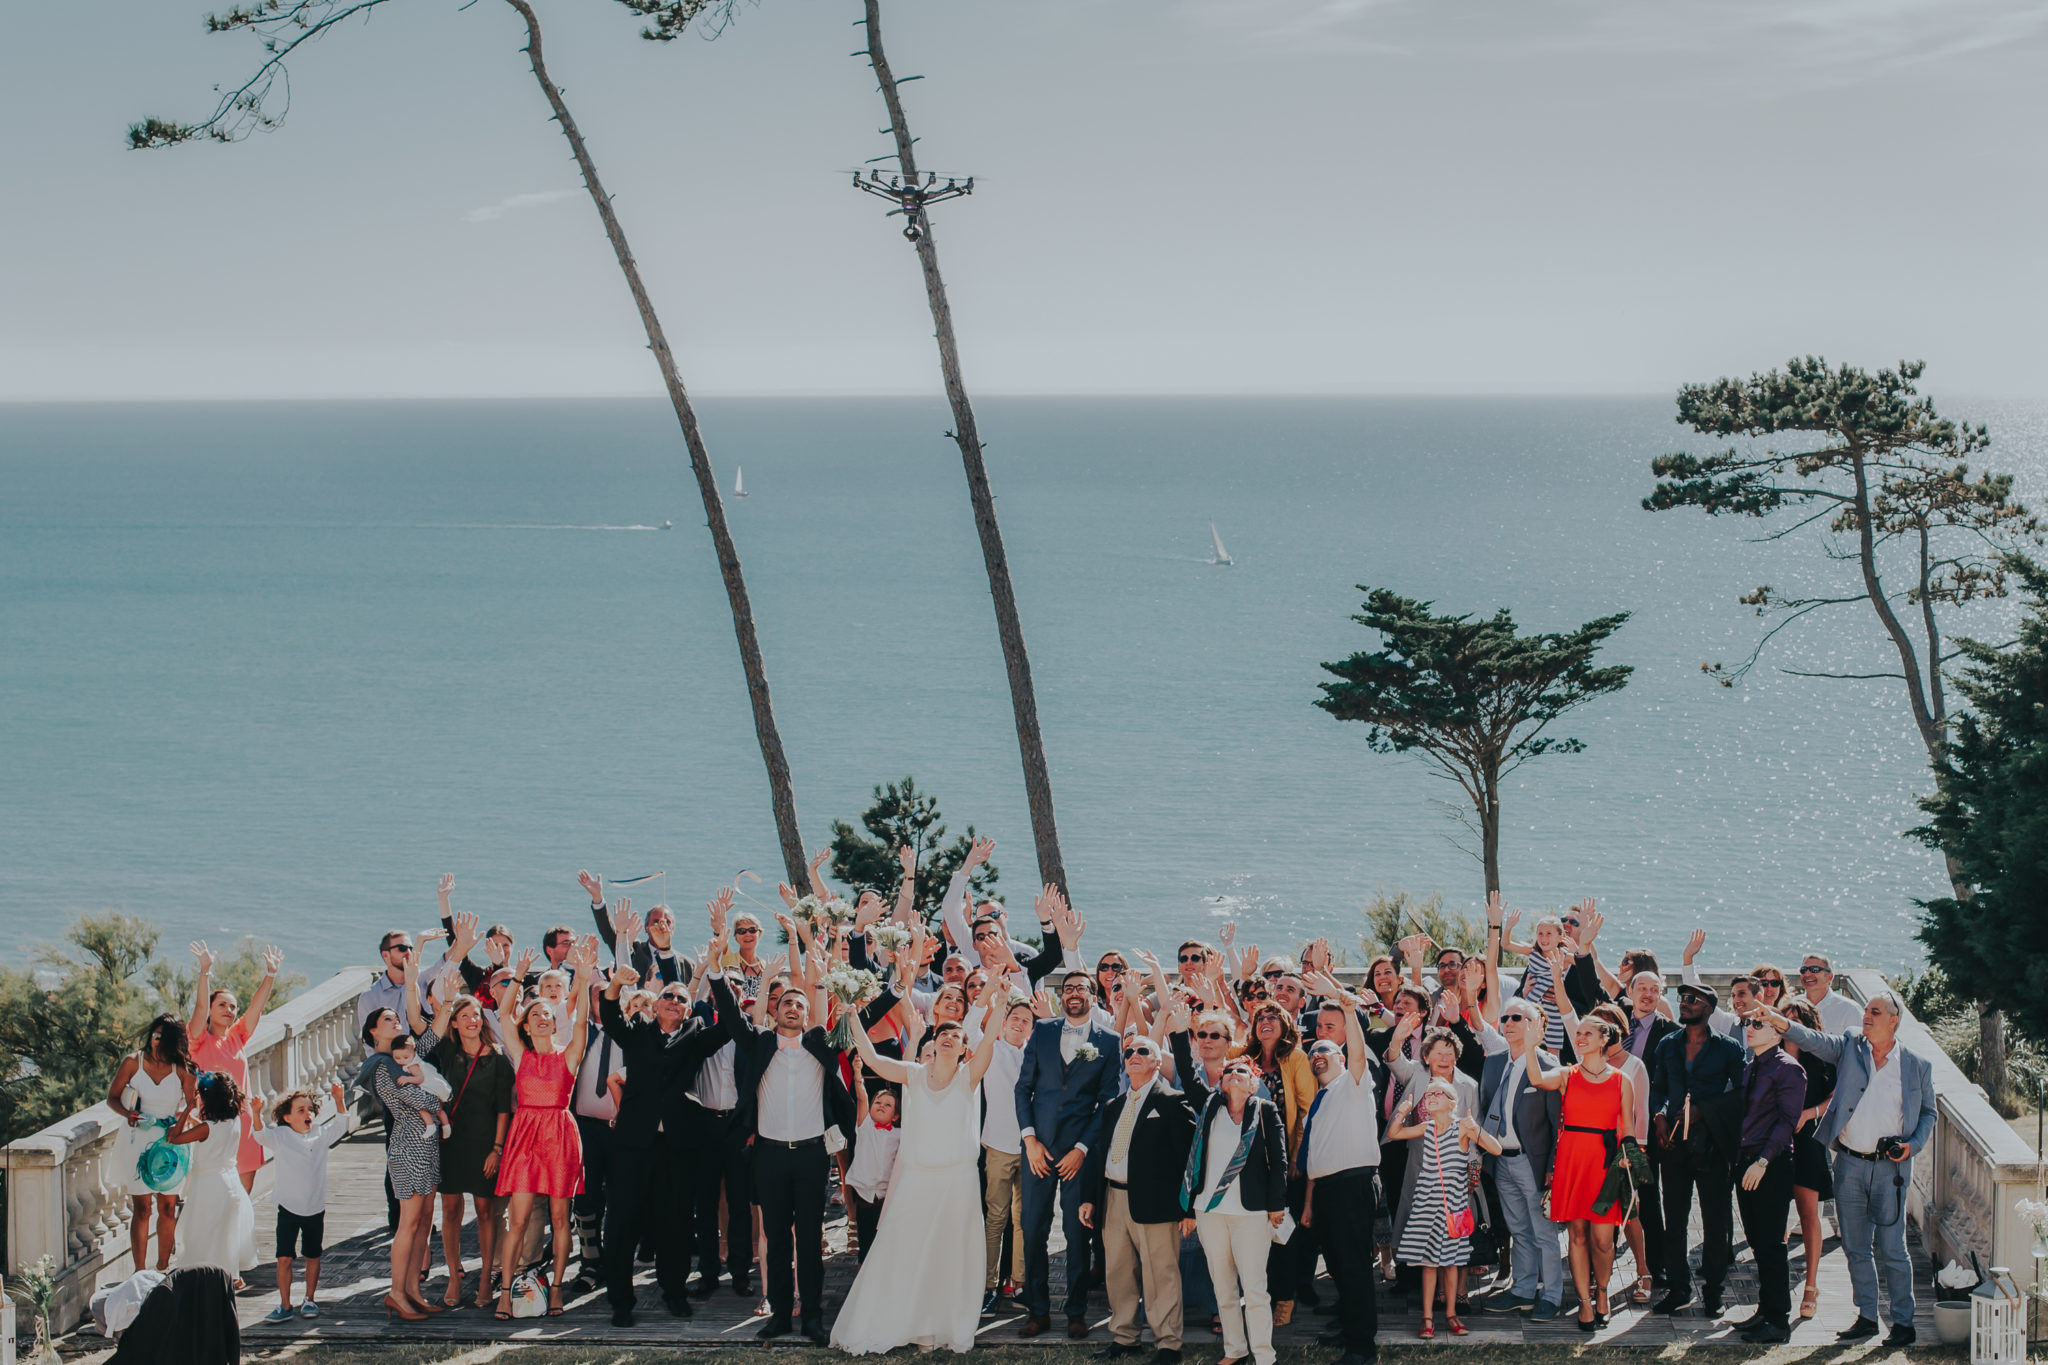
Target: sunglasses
[[672, 998], [1275, 974], [748, 931], [1516, 1017], [1213, 1037], [1192, 957], [1770, 981], [1237, 1073], [1131, 1052], [1813, 971], [1757, 1023]]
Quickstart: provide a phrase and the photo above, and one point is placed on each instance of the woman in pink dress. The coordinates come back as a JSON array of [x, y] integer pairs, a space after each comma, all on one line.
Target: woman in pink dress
[[220, 1037], [543, 1151]]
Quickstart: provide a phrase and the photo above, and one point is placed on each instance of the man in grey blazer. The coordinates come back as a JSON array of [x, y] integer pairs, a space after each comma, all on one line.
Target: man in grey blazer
[[1525, 1120], [1882, 1117]]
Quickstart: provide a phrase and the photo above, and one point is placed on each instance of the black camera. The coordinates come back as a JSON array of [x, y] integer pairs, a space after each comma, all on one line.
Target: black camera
[[1891, 1148]]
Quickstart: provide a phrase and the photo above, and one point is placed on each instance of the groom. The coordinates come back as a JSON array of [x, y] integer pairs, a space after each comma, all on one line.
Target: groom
[[1068, 1074]]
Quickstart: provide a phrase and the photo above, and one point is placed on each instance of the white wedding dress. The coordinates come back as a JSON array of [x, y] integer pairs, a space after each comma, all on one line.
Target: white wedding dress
[[921, 1282]]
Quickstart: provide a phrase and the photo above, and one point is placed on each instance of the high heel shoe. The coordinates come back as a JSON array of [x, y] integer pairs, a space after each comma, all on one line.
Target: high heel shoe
[[1809, 1302], [1601, 1310], [400, 1309], [1591, 1324]]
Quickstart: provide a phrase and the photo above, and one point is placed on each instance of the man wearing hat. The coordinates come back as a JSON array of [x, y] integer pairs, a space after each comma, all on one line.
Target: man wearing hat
[[1696, 1070]]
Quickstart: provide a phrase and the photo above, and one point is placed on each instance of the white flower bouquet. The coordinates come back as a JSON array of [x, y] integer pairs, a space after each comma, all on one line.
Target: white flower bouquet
[[886, 940], [825, 917], [1956, 1276], [1087, 1052], [852, 988]]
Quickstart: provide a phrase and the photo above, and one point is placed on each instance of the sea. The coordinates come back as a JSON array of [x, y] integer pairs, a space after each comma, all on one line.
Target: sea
[[271, 669]]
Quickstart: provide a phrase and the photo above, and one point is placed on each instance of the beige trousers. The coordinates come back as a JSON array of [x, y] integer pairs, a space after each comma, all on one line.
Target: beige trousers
[[1236, 1245], [1135, 1251], [1003, 1206]]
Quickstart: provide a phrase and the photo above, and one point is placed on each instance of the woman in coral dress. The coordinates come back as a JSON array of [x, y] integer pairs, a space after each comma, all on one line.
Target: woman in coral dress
[[220, 1036], [1598, 1099], [543, 1151]]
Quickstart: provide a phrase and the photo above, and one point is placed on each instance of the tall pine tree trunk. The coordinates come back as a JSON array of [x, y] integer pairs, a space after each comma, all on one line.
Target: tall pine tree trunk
[[781, 793], [1009, 629]]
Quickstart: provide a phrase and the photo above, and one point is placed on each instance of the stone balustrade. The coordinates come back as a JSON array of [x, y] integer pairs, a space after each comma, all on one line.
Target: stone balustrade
[[66, 1200]]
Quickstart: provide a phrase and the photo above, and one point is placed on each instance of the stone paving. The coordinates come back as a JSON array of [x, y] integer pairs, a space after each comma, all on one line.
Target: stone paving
[[355, 1274]]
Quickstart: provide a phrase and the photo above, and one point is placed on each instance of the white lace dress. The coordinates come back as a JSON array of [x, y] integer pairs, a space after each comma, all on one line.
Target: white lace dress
[[921, 1282], [219, 1226]]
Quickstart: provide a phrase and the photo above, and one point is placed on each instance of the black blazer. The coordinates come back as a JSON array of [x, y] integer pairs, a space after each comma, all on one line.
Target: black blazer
[[754, 1048], [1262, 1184], [660, 1069], [1160, 1138]]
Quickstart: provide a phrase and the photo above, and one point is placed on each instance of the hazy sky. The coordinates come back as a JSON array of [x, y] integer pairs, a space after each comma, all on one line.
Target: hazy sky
[[1172, 195]]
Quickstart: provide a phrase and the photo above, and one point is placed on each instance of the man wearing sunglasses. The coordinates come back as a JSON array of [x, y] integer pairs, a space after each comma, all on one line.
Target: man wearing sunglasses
[[387, 992], [1131, 1190], [1525, 1120], [650, 1181], [1340, 1155], [1838, 1013]]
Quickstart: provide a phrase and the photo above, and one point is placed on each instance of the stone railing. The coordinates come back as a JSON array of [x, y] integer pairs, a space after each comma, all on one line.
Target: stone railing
[[1964, 1188], [64, 1197]]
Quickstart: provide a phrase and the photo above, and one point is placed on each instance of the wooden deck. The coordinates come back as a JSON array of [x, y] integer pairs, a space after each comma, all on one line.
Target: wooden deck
[[355, 1275]]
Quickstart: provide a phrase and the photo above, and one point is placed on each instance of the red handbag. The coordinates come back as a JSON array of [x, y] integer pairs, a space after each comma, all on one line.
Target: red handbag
[[1461, 1223]]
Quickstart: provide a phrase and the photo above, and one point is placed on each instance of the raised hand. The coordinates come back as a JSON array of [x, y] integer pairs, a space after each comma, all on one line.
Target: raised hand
[[593, 885], [1694, 944], [978, 853], [467, 927], [203, 955], [907, 857], [1180, 1019], [1328, 987], [1411, 948], [527, 957], [1042, 1006], [584, 956], [1474, 979], [1495, 912], [1229, 934], [818, 859], [444, 987], [445, 889], [1590, 921], [789, 897], [497, 950], [273, 961], [623, 913], [1507, 926], [720, 907], [624, 977]]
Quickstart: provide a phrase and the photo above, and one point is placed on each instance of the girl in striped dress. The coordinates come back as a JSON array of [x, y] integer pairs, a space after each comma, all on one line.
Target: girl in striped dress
[[1443, 1192]]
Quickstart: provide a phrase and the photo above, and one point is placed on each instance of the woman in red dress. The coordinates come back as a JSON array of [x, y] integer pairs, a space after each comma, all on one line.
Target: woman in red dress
[[1591, 1124], [543, 1151]]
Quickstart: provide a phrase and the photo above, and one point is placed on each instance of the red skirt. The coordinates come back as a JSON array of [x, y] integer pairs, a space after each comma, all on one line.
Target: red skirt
[[543, 1154]]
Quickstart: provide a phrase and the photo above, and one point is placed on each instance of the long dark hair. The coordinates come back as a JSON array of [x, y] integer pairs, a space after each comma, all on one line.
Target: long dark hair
[[220, 1099], [163, 1039]]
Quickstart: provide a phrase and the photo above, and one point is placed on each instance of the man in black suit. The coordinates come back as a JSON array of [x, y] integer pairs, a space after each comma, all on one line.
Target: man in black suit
[[790, 1094], [1130, 1188], [650, 1171], [1642, 989]]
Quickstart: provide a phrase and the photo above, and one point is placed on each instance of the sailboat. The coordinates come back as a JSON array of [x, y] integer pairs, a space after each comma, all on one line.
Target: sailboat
[[1222, 555], [739, 482]]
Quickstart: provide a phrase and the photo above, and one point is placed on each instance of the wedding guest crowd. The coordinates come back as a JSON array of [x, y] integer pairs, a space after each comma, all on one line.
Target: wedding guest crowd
[[1210, 1140]]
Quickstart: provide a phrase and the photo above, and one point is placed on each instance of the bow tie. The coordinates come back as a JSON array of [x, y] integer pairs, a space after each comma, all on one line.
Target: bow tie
[[882, 1127]]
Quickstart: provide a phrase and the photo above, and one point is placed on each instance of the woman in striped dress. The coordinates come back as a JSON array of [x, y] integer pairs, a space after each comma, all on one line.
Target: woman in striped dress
[[1443, 1191]]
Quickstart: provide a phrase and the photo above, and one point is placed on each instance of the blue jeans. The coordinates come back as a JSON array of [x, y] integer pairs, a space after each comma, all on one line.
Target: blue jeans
[[1041, 1192], [1873, 1211], [1533, 1238]]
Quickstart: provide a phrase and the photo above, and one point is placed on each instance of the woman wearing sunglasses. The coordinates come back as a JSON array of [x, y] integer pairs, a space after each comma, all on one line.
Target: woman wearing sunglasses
[[1236, 1188]]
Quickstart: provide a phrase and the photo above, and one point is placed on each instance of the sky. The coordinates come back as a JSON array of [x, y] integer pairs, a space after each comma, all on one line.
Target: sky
[[1171, 196]]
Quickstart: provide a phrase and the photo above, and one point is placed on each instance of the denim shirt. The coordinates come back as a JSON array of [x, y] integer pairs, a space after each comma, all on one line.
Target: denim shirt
[[1717, 1070]]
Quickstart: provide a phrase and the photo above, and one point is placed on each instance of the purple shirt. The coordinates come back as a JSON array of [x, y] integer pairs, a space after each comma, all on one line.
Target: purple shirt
[[1773, 1093]]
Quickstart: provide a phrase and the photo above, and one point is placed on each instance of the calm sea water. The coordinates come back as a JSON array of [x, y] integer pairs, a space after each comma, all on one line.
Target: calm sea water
[[273, 668]]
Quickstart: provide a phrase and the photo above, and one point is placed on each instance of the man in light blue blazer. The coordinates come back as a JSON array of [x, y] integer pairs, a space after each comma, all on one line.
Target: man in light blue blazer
[[1070, 1070], [1882, 1117]]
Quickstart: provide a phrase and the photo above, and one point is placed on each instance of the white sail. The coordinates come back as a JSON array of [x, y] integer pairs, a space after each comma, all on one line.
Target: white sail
[[739, 482], [1222, 555]]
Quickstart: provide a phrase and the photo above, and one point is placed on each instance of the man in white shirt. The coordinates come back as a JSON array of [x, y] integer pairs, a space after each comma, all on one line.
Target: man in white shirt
[[718, 1146], [595, 1106], [1838, 1013], [1002, 1148], [1340, 1154]]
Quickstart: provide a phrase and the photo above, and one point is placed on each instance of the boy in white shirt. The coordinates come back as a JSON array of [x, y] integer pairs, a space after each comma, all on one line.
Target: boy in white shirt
[[876, 1139], [299, 1147]]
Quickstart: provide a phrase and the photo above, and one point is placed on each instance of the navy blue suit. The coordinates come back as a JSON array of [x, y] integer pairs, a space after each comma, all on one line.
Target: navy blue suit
[[1061, 1103]]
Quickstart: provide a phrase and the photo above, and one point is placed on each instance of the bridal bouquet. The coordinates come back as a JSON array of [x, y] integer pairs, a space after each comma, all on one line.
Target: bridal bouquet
[[825, 917], [851, 988], [887, 940]]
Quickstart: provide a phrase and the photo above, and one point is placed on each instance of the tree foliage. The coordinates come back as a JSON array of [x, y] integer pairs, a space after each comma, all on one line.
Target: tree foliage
[[68, 1020], [1391, 916], [1989, 814], [1472, 695], [901, 814]]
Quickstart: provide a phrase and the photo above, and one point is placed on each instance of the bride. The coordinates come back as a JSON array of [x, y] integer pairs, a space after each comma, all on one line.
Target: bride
[[921, 1281]]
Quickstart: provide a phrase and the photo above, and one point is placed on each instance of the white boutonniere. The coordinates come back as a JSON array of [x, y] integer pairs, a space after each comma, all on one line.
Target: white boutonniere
[[1087, 1052]]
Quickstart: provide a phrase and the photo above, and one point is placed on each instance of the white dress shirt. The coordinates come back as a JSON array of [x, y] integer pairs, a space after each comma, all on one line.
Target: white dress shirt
[[1134, 1108], [602, 1059], [299, 1172], [1072, 1035], [1838, 1013], [1345, 1130], [717, 1088], [791, 1098], [1881, 1111], [999, 1126]]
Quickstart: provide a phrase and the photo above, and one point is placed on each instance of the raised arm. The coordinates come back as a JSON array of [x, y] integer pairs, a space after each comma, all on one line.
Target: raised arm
[[816, 879], [583, 957], [202, 988], [985, 1050], [273, 963], [1546, 1080], [888, 1068], [1355, 1055], [595, 887], [953, 909]]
